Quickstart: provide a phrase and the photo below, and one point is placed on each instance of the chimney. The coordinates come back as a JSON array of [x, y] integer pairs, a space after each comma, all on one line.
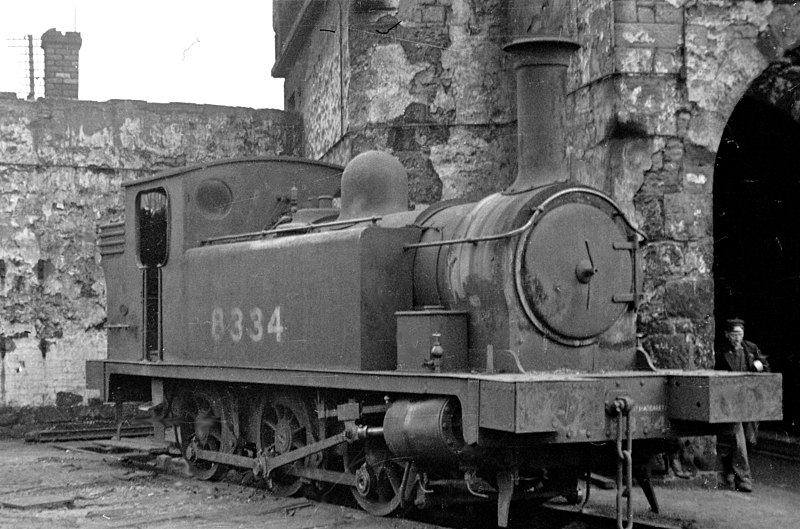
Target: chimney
[[61, 63], [541, 68]]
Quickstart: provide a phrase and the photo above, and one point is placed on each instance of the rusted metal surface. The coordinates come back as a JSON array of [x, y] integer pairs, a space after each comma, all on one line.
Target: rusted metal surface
[[526, 294], [440, 222], [498, 406], [571, 287], [464, 386], [424, 430], [415, 330], [541, 67], [572, 408], [721, 397]]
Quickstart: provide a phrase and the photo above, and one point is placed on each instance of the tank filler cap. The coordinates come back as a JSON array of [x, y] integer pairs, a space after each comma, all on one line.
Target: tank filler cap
[[374, 183]]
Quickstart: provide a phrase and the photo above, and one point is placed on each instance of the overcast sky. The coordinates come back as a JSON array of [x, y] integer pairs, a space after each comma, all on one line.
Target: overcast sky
[[201, 51]]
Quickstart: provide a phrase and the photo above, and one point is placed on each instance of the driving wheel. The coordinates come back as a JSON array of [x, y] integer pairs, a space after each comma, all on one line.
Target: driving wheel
[[202, 425], [382, 482], [283, 423]]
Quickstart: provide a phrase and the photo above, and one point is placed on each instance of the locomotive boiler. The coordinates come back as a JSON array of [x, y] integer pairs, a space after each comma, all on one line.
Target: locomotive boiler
[[471, 350]]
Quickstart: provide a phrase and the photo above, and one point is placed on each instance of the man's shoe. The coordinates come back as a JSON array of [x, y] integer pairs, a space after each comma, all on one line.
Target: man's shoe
[[730, 481], [677, 468], [744, 486]]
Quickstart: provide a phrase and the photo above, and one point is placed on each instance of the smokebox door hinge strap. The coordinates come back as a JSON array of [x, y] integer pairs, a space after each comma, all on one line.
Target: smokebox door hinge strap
[[634, 297]]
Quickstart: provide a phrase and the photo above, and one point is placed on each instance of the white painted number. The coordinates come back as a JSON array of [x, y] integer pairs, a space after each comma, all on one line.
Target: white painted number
[[258, 329], [237, 328], [274, 326], [217, 325]]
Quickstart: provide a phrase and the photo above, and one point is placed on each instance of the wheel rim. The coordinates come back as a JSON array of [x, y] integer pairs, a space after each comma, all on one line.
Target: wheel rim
[[283, 424], [201, 426], [379, 478]]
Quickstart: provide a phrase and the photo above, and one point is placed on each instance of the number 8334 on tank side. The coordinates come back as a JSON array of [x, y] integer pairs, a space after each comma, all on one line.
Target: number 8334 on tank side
[[469, 351]]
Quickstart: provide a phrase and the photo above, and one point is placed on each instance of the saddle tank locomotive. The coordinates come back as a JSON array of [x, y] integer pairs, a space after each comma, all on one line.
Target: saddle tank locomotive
[[470, 351]]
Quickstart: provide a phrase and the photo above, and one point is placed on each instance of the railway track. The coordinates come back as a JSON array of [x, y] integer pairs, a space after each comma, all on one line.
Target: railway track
[[143, 454], [87, 434]]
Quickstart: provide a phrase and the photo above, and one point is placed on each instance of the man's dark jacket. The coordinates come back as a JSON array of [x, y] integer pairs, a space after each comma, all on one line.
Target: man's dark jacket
[[726, 358]]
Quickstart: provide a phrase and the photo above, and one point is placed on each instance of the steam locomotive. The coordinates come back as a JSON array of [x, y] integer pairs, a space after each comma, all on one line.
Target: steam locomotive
[[469, 351]]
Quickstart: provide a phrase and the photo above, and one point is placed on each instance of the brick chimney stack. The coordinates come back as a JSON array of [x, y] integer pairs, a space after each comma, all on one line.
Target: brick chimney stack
[[61, 63]]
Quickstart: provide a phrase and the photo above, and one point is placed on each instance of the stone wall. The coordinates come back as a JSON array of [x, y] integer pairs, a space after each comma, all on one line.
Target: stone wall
[[315, 84], [449, 112], [61, 166], [650, 92], [656, 115], [426, 81]]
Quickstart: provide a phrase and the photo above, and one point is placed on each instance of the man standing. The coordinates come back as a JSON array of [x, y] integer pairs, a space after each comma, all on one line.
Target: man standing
[[736, 354]]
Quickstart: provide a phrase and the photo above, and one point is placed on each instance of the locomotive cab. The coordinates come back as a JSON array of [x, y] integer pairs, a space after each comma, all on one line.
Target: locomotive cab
[[174, 211]]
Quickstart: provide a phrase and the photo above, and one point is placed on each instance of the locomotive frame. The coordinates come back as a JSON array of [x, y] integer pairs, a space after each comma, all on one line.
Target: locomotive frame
[[450, 354]]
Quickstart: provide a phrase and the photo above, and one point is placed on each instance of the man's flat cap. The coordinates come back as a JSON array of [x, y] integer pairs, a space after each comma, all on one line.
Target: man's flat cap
[[733, 323]]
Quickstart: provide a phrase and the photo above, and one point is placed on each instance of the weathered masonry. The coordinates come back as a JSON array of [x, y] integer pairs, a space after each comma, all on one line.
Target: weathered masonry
[[61, 165], [684, 111]]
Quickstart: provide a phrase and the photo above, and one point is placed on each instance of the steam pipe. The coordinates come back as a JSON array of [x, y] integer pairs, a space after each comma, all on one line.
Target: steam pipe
[[541, 66]]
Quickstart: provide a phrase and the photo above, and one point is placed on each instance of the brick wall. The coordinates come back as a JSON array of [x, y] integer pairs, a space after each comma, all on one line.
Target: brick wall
[[61, 165], [61, 63]]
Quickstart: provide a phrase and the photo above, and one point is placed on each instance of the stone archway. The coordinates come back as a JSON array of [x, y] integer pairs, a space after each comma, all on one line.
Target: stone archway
[[756, 200]]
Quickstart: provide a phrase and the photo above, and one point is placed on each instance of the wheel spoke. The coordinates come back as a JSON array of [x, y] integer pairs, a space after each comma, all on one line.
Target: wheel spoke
[[272, 425], [384, 495], [202, 420], [393, 480], [280, 421]]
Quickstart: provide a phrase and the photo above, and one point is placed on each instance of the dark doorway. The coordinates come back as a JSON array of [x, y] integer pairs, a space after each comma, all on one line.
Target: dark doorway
[[757, 238]]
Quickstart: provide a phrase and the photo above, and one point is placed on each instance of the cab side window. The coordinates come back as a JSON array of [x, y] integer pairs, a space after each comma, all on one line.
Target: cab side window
[[152, 226], [152, 231]]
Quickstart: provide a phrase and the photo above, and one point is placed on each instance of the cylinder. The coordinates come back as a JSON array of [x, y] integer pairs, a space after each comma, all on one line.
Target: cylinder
[[426, 430]]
